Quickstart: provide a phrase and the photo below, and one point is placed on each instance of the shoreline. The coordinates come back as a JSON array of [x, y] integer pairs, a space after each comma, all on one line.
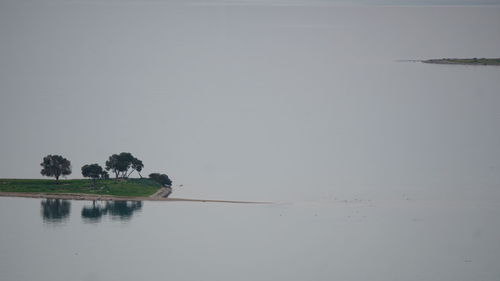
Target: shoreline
[[96, 197], [464, 61]]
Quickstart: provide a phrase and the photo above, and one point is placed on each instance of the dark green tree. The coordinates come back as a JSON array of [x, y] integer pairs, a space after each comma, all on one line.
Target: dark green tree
[[162, 179], [124, 164], [154, 176], [55, 166], [115, 165], [136, 165], [104, 175], [93, 171]]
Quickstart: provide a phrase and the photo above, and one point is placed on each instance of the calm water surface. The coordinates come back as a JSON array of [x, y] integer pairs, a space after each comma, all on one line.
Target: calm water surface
[[330, 240]]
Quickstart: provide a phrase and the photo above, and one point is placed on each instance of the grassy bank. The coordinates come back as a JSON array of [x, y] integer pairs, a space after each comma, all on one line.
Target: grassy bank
[[129, 187], [473, 61]]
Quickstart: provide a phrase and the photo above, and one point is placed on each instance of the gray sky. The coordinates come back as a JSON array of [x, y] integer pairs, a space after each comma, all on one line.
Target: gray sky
[[244, 101]]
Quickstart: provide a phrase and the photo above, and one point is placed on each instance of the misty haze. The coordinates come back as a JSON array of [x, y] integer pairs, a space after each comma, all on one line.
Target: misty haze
[[371, 164]]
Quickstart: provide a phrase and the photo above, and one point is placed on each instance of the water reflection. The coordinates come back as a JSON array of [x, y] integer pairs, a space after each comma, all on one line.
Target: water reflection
[[122, 210], [55, 210], [93, 213]]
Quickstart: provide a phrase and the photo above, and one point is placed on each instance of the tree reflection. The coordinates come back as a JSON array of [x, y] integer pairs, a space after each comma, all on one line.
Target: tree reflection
[[93, 213], [122, 210], [55, 210]]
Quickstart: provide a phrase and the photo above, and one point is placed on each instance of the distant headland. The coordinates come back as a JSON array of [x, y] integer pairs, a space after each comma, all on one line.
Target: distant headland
[[99, 186], [465, 61]]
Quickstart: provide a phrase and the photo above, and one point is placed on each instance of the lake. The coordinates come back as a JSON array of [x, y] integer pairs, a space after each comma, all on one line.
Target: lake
[[337, 240], [378, 168]]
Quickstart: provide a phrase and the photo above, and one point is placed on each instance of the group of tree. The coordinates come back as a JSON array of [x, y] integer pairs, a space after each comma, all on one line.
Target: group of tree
[[121, 165], [161, 179], [124, 164], [94, 172]]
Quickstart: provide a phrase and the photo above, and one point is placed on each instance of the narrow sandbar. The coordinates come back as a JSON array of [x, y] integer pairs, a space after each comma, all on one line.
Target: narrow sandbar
[[92, 197]]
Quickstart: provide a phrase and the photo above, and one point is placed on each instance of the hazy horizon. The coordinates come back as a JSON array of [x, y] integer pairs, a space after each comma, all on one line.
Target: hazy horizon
[[255, 102]]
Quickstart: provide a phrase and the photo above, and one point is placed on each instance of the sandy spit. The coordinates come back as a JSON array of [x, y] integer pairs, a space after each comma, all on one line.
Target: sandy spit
[[91, 197]]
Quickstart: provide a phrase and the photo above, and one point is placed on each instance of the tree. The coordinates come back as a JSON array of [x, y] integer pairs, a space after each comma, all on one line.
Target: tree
[[104, 175], [120, 164], [155, 176], [137, 165], [93, 171], [162, 179], [55, 166], [113, 165]]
